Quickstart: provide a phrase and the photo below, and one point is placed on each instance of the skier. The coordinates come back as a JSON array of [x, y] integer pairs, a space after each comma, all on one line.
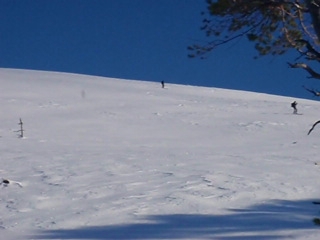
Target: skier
[[162, 83], [294, 106]]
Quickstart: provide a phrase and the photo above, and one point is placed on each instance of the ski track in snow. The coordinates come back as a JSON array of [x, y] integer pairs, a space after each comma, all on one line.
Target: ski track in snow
[[115, 159]]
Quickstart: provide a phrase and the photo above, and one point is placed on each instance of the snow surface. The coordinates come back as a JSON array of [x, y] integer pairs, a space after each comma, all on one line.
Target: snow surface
[[106, 158]]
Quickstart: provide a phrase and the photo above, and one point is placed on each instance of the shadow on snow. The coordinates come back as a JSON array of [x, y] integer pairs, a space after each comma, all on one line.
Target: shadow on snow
[[256, 222]]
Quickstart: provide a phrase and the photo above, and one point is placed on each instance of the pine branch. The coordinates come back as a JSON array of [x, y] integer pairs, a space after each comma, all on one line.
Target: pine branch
[[305, 67]]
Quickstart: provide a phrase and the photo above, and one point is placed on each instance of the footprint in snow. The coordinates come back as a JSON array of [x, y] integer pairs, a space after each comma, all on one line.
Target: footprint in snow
[[6, 182]]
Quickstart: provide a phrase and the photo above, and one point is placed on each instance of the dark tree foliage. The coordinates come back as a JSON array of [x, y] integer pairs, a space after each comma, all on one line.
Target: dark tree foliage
[[274, 26]]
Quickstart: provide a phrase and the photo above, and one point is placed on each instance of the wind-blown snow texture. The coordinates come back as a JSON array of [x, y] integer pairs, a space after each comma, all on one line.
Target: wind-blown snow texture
[[115, 159]]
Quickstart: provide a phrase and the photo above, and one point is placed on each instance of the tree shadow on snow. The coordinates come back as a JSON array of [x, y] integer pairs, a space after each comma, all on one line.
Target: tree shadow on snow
[[256, 222]]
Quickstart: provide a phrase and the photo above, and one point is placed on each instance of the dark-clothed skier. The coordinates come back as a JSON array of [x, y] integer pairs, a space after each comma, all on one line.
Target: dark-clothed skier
[[294, 106]]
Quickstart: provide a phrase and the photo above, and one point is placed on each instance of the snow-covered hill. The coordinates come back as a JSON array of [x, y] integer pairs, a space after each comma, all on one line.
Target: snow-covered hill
[[106, 158]]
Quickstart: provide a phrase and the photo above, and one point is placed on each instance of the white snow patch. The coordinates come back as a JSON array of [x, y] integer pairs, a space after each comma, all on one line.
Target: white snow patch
[[107, 158]]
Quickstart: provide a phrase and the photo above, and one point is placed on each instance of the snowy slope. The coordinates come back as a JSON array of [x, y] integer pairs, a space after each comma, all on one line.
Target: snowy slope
[[106, 158]]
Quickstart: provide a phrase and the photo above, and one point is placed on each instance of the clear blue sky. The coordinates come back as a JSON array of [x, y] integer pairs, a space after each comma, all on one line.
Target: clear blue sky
[[135, 39]]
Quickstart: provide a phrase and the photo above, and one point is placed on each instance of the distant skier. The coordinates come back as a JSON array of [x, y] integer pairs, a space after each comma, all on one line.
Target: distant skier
[[162, 84], [294, 106]]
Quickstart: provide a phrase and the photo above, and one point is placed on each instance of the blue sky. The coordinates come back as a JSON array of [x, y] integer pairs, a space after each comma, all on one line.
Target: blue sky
[[136, 39]]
